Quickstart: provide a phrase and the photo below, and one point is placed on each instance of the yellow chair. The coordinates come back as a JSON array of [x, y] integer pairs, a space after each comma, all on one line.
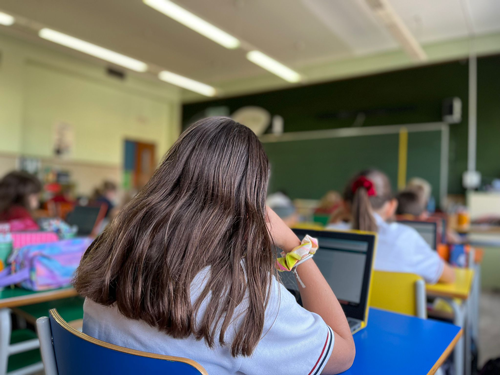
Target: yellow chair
[[399, 292]]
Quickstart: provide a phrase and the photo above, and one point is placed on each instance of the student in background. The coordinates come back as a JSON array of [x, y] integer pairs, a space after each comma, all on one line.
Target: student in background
[[369, 198], [19, 193], [411, 203], [283, 206], [279, 199], [187, 268], [330, 203], [340, 219], [63, 195], [106, 194], [422, 189]]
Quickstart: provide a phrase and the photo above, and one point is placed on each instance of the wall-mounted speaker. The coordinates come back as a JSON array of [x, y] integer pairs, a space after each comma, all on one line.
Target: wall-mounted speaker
[[452, 110], [115, 73]]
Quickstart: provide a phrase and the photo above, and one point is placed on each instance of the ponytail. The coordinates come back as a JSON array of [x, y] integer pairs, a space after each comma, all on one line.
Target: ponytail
[[360, 191], [362, 217], [367, 193]]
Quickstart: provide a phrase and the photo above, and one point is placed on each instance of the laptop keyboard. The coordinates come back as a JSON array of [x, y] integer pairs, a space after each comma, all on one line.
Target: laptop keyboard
[[354, 324]]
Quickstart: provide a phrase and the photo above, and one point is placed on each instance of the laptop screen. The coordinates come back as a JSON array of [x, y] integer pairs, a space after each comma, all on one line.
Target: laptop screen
[[85, 218], [345, 260], [342, 263], [428, 230]]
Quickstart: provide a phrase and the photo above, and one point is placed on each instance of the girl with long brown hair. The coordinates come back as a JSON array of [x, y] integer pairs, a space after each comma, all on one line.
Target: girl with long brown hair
[[369, 199], [187, 268]]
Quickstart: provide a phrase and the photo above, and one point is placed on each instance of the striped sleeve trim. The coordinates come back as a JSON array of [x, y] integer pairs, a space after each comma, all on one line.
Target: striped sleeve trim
[[325, 354]]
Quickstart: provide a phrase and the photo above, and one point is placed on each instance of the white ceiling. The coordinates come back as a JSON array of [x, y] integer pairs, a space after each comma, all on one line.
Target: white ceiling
[[429, 21], [296, 32]]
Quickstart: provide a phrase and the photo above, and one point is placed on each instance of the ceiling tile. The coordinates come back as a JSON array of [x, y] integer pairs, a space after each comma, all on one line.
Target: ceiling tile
[[354, 23], [485, 15], [298, 33], [437, 20]]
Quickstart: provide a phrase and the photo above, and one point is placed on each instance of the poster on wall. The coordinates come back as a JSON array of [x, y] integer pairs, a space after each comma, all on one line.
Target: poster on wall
[[29, 164], [64, 139]]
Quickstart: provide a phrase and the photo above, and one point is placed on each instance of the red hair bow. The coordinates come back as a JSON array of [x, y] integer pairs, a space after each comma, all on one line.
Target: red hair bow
[[362, 181]]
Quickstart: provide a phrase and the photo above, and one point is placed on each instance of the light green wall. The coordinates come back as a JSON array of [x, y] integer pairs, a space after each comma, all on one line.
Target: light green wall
[[40, 87], [101, 116], [490, 278], [11, 97]]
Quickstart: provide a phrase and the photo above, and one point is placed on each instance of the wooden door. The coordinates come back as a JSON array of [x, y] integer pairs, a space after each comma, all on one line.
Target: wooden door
[[145, 163]]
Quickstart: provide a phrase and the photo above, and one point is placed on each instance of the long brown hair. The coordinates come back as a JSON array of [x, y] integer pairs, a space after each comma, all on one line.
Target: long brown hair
[[365, 199], [15, 189], [204, 206]]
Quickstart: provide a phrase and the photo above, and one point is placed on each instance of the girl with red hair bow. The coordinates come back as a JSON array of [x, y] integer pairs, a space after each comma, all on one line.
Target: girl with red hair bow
[[369, 199]]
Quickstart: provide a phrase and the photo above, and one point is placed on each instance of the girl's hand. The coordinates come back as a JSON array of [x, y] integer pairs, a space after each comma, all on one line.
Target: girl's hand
[[283, 237]]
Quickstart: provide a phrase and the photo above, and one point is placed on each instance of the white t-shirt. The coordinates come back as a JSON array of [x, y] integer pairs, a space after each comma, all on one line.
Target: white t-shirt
[[341, 225], [295, 341], [402, 249]]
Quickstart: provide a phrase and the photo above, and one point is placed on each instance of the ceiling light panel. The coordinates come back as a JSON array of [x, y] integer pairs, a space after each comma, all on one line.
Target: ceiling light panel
[[194, 22], [273, 66], [187, 83], [6, 19], [92, 49]]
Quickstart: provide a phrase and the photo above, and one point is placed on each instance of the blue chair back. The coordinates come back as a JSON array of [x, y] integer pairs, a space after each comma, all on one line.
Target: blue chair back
[[79, 354]]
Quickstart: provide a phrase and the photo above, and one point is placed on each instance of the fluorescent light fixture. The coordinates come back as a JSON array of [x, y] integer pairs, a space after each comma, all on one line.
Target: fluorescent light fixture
[[6, 19], [194, 22], [92, 49], [273, 66], [187, 83]]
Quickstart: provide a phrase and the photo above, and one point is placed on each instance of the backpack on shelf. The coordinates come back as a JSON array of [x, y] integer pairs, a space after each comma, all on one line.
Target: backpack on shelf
[[46, 265]]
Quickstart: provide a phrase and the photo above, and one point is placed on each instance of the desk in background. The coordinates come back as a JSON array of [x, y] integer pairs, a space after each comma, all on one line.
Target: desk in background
[[21, 297], [400, 344], [481, 205], [489, 241], [17, 297], [461, 289]]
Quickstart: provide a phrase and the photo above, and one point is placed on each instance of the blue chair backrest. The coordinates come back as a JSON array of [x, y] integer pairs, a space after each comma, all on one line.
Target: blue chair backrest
[[79, 354]]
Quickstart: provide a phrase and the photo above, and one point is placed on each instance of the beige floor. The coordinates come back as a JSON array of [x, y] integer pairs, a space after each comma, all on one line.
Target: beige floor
[[489, 326]]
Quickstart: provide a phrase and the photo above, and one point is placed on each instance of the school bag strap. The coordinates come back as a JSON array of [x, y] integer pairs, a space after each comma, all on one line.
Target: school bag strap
[[8, 278]]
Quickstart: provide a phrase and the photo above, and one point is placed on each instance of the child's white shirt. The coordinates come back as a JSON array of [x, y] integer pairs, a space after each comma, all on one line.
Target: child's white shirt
[[295, 341], [401, 248]]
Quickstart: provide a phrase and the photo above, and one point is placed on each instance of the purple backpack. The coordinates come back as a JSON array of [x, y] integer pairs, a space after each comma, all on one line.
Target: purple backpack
[[45, 266]]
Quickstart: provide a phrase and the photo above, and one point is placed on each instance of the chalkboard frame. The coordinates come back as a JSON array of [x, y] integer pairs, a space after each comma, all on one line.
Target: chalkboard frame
[[378, 130]]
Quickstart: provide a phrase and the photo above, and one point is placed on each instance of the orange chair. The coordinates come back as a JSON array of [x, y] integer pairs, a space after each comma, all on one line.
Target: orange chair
[[60, 209]]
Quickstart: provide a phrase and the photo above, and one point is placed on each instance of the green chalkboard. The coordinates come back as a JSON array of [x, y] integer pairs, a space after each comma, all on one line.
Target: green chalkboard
[[404, 96], [424, 156], [307, 169]]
